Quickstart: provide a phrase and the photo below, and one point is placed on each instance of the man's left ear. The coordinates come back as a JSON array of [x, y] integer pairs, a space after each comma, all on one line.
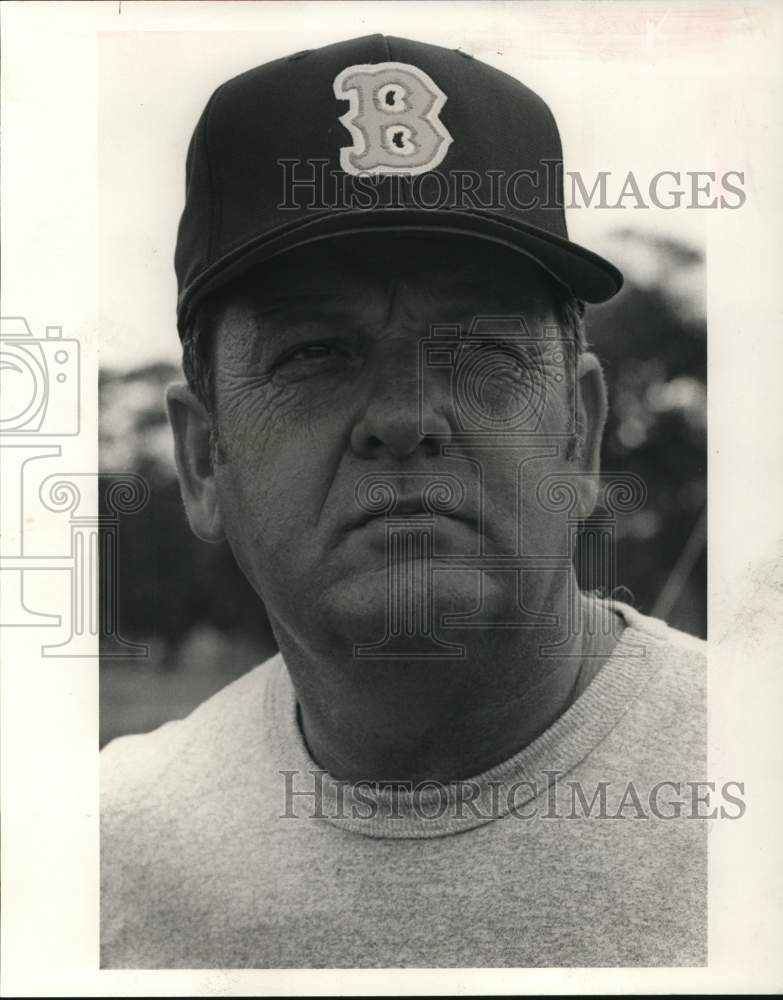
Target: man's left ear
[[592, 408]]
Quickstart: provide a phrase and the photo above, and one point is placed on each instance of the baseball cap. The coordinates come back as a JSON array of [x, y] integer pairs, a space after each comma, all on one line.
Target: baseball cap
[[374, 134]]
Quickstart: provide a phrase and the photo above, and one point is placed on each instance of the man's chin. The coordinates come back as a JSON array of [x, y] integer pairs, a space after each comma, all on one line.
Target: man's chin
[[375, 605]]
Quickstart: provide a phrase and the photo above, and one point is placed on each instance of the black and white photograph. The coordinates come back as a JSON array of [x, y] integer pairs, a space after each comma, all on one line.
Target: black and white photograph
[[391, 465]]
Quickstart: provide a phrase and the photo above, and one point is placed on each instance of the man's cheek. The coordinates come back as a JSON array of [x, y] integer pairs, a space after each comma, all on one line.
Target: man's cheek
[[557, 399], [270, 415], [251, 414], [270, 483], [258, 523]]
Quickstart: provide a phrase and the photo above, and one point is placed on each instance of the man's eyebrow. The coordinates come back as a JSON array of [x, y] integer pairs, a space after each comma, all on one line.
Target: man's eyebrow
[[296, 314]]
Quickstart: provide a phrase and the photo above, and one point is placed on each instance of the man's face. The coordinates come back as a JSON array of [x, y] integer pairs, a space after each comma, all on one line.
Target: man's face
[[323, 380]]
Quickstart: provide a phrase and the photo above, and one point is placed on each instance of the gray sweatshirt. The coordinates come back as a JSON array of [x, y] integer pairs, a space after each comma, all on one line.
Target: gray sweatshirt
[[224, 845]]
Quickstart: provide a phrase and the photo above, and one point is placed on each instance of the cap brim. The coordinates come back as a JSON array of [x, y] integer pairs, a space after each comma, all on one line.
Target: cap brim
[[588, 276]]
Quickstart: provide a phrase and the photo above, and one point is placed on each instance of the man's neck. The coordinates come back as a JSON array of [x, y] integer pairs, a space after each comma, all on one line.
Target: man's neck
[[437, 719]]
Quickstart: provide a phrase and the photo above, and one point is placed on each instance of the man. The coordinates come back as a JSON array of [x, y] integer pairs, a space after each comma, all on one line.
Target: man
[[457, 758]]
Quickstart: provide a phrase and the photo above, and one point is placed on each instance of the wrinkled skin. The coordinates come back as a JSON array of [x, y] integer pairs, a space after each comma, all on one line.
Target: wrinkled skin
[[318, 378]]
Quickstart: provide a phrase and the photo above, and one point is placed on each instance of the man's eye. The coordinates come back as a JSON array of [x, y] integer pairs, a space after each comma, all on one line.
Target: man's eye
[[499, 357], [310, 352]]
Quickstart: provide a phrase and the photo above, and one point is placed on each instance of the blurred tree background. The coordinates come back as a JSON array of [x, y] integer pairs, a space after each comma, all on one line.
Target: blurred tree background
[[204, 626]]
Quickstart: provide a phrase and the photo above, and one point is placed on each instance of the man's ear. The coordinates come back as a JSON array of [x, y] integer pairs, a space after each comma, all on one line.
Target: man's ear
[[592, 408], [191, 425]]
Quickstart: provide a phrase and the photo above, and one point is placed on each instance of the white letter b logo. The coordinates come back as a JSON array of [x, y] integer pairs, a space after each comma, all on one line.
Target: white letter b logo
[[393, 119]]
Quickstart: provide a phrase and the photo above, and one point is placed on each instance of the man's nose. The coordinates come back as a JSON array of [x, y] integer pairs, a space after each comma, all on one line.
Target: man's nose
[[397, 418]]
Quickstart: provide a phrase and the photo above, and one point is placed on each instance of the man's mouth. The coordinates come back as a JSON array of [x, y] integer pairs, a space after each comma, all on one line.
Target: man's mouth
[[409, 495], [411, 508]]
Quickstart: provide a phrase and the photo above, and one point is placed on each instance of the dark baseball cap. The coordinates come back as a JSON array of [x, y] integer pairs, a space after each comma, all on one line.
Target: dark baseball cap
[[370, 135]]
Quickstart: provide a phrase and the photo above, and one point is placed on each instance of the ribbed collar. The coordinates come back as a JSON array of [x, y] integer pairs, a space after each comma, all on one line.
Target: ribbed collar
[[431, 810]]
